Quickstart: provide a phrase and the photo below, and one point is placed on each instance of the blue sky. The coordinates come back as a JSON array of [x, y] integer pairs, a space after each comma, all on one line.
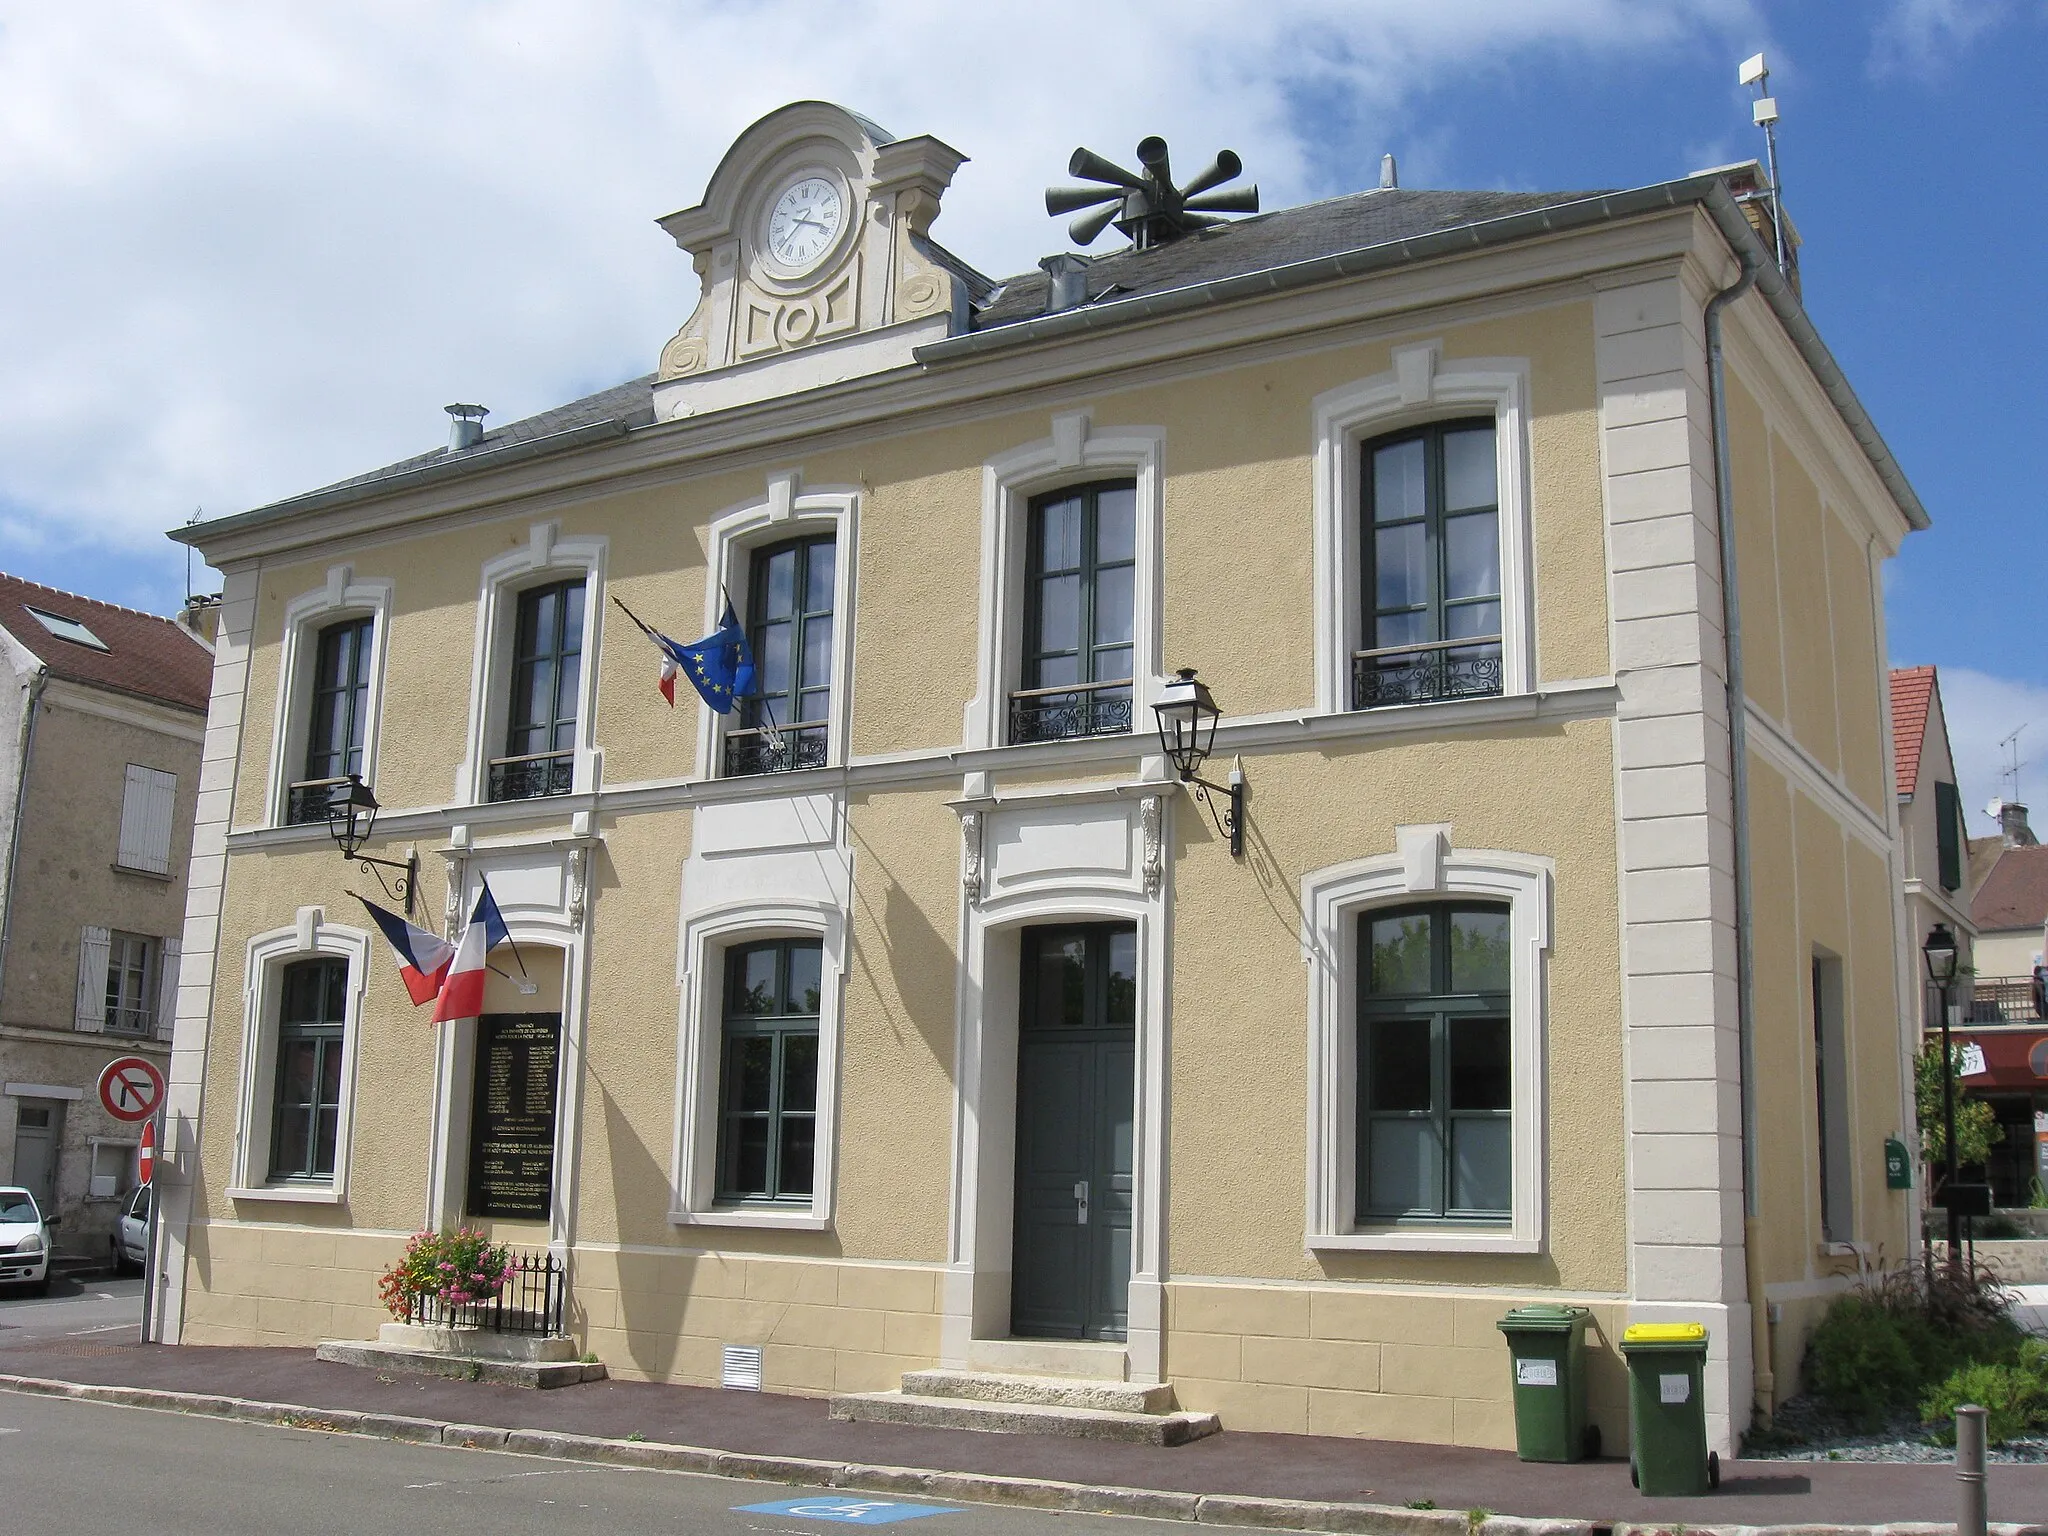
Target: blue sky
[[248, 249]]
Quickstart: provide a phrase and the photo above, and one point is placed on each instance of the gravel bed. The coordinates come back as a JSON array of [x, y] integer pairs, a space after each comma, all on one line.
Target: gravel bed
[[1803, 1430]]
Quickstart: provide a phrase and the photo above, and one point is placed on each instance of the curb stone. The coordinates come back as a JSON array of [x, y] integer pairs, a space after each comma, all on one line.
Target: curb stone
[[1034, 1493]]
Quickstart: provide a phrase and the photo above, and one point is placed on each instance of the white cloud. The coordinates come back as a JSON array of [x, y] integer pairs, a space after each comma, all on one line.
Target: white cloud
[[1921, 37], [248, 248], [1982, 711]]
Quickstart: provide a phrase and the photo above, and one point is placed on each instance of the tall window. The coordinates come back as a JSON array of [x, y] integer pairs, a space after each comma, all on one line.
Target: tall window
[[1436, 1065], [769, 1098], [307, 1106], [340, 717], [131, 983], [547, 675], [1831, 1101], [1432, 615], [784, 724], [1080, 563]]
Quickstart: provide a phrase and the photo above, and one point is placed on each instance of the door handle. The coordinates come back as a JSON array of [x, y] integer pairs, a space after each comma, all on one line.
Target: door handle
[[1081, 1203]]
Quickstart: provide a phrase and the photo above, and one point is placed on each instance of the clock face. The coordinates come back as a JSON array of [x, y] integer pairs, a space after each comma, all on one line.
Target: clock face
[[805, 221]]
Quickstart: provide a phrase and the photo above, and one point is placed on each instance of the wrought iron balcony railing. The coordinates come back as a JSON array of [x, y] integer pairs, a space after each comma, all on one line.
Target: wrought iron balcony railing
[[306, 801], [750, 750], [1999, 1000], [1426, 671], [533, 776], [1078, 709], [122, 1020]]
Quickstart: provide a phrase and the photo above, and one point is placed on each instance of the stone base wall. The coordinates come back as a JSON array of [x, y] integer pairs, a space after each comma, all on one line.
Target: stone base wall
[[284, 1286]]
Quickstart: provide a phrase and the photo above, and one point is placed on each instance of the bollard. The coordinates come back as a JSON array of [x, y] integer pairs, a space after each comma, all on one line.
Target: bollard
[[1970, 1469]]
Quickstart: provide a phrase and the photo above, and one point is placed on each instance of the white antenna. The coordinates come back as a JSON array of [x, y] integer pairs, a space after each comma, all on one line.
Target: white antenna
[[2011, 771], [1765, 114]]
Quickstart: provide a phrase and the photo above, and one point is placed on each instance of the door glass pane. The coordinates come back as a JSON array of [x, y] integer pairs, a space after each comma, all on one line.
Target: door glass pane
[[1398, 1064], [1400, 629], [781, 590], [1122, 1004], [753, 1072], [1405, 1160], [799, 1152], [754, 986], [1471, 555], [1401, 566], [1481, 1158], [1116, 520], [805, 961], [1059, 613], [1400, 953], [1479, 951], [1056, 671], [1059, 542], [818, 577], [1112, 666], [1464, 619], [1061, 980], [1113, 607], [1397, 481], [799, 1072], [328, 1119], [330, 1072], [1481, 1070], [1469, 469], [771, 657]]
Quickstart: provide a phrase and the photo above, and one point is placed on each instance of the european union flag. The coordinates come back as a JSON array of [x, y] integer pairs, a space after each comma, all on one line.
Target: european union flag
[[719, 667]]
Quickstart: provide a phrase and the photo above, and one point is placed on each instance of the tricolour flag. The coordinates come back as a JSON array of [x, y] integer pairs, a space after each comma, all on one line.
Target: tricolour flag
[[423, 957], [462, 994], [720, 666]]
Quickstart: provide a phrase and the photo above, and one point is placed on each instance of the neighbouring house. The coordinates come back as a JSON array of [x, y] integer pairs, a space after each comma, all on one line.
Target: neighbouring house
[[918, 1012], [104, 713], [2008, 1014]]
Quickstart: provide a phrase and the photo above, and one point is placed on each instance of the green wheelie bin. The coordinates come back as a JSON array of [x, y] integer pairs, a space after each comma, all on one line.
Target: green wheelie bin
[[1666, 1410], [1547, 1344]]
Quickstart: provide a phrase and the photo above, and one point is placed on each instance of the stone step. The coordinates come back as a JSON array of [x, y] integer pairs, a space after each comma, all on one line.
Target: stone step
[[1094, 1359], [421, 1362], [1050, 1391], [1024, 1418]]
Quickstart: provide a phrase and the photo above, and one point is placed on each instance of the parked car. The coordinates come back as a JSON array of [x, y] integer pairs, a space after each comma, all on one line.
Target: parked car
[[130, 1240], [24, 1241]]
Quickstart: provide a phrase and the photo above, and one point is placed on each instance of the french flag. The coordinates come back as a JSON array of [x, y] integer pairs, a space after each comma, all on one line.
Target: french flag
[[423, 957], [462, 994]]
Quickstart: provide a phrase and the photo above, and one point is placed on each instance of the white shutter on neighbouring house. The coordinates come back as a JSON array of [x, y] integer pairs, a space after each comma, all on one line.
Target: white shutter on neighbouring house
[[147, 803], [167, 989], [92, 980]]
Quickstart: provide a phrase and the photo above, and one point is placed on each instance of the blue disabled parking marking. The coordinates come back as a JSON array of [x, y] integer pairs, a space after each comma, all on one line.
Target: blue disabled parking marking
[[847, 1511]]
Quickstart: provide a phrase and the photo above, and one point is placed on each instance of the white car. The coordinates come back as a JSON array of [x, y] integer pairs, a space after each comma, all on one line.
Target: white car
[[24, 1241], [130, 1241]]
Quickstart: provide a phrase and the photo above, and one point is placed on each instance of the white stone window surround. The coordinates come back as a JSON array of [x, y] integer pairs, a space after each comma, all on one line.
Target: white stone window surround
[[1075, 454], [787, 512], [545, 557], [344, 596], [1332, 901], [311, 937], [707, 937], [1422, 387]]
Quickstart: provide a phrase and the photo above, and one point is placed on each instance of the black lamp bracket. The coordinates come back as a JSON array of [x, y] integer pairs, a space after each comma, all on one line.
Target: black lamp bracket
[[1230, 824], [405, 886]]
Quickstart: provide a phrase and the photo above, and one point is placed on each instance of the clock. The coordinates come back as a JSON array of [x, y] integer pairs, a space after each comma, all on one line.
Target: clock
[[805, 222]]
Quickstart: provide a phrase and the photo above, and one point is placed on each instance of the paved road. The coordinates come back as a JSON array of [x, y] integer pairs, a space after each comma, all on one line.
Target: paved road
[[89, 1468], [81, 1309]]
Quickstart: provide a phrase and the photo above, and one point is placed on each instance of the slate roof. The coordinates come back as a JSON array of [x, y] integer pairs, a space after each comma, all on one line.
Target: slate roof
[[1276, 239], [1912, 693], [2015, 893], [151, 657]]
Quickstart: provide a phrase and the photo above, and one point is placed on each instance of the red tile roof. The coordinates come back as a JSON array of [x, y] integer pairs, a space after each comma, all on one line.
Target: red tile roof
[[2015, 893], [151, 657], [1912, 690]]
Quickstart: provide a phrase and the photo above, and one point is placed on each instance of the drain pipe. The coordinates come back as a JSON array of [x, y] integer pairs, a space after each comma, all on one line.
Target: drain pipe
[[26, 746], [1765, 1384]]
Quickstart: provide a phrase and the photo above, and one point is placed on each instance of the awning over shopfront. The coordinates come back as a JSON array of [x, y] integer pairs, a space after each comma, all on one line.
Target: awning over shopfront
[[2015, 1058]]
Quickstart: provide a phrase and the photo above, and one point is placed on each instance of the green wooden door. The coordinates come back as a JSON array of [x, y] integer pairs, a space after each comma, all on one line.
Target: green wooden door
[[1076, 1059]]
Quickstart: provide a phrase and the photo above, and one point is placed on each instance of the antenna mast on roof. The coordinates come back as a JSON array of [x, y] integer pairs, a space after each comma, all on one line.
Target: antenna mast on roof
[[2011, 771], [1765, 114]]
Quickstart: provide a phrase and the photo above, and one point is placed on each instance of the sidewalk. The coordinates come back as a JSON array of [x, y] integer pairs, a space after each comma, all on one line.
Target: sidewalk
[[1291, 1467]]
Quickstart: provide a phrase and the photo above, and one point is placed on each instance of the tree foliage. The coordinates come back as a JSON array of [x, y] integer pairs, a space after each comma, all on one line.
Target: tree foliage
[[1977, 1127]]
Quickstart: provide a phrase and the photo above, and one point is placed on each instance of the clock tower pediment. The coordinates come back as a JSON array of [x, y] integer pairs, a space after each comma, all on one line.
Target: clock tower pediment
[[811, 248]]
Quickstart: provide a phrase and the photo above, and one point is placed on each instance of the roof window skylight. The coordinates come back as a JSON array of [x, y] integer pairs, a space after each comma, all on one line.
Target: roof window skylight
[[68, 629]]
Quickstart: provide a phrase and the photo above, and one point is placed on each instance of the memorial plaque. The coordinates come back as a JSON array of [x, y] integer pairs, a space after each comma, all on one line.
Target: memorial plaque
[[512, 1115]]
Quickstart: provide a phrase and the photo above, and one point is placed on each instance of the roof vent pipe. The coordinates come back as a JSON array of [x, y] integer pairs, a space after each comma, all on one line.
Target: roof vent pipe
[[1066, 281], [466, 426], [1390, 176]]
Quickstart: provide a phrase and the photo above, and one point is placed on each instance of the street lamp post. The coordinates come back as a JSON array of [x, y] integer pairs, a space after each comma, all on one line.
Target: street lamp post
[[1939, 954]]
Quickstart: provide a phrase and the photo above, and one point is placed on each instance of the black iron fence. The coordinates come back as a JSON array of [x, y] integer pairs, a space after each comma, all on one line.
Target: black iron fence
[[2000, 1000], [533, 776], [533, 1301], [750, 750], [1059, 714], [1419, 674]]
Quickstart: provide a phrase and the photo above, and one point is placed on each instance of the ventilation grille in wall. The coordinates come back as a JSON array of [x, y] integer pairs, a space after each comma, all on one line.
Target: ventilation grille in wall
[[741, 1367]]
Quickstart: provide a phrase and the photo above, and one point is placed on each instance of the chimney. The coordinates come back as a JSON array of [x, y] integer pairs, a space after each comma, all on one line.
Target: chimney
[[1066, 281], [201, 616], [1390, 175], [467, 426], [2012, 825]]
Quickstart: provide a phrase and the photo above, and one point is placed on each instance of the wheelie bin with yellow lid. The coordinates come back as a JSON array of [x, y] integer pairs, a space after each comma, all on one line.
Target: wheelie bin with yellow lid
[[1666, 1410]]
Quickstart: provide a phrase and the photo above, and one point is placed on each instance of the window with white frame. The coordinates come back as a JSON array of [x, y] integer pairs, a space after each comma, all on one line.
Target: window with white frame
[[312, 1023], [546, 689], [786, 722], [149, 802], [1427, 1028], [127, 983], [131, 984], [1424, 587], [337, 718]]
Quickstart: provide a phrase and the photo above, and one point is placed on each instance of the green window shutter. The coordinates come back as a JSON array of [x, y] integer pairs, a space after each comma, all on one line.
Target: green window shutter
[[1948, 828]]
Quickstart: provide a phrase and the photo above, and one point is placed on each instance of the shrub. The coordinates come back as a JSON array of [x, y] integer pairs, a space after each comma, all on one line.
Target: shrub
[[462, 1268], [2013, 1394], [1862, 1363]]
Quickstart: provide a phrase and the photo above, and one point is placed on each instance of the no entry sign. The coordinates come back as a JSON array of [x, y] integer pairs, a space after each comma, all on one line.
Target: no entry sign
[[131, 1088], [145, 1160]]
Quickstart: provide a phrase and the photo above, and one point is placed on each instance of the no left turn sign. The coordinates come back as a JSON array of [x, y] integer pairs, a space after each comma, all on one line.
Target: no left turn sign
[[131, 1087]]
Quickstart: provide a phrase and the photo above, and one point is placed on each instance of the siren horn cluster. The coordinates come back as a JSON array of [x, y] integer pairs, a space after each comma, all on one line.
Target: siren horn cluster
[[1146, 206]]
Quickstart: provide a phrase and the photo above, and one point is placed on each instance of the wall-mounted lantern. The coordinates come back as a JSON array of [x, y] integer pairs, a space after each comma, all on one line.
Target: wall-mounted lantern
[[351, 817], [1187, 734]]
